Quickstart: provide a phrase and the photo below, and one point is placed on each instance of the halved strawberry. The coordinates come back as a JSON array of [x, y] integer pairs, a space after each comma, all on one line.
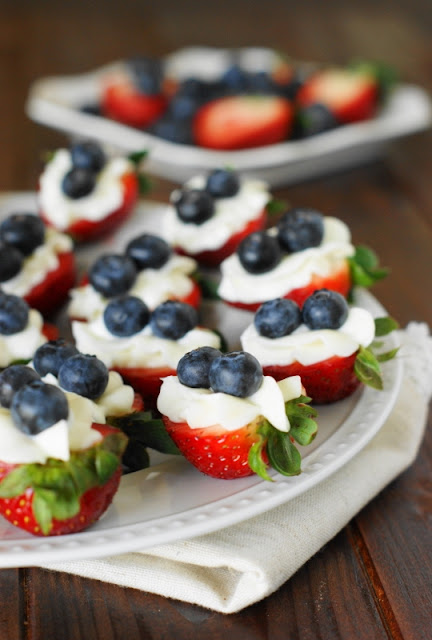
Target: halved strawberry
[[241, 122], [145, 380], [339, 281], [350, 94], [213, 258], [89, 230], [60, 497], [122, 102], [50, 294], [251, 449]]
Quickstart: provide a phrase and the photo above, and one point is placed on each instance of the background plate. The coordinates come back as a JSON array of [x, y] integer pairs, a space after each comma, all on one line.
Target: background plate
[[171, 500], [56, 102]]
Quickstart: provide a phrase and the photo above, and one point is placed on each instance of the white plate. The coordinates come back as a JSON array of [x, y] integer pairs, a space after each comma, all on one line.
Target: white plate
[[171, 500], [56, 102]]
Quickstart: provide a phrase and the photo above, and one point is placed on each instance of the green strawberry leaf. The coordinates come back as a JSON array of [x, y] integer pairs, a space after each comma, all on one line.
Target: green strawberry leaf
[[385, 75], [364, 267], [135, 457], [385, 325], [255, 459], [367, 368], [144, 184], [388, 355], [274, 207], [105, 464], [223, 342], [150, 432], [209, 288], [282, 454], [42, 512], [16, 482], [137, 157], [61, 504], [301, 417]]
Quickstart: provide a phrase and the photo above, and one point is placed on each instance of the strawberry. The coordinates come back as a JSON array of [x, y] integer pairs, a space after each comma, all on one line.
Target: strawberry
[[122, 102], [251, 449], [241, 122], [350, 94], [212, 258], [60, 497], [49, 295], [145, 381]]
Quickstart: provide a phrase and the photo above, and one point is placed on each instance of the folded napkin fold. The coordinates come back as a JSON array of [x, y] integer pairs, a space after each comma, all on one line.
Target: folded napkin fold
[[237, 566]]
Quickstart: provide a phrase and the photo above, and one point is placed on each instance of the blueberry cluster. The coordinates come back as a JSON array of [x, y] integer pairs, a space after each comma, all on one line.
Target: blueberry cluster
[[88, 159], [297, 229], [114, 274], [125, 316], [20, 235], [196, 206], [324, 309], [237, 373], [14, 314]]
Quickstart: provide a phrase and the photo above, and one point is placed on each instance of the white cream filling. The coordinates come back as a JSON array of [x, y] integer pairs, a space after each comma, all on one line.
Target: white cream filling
[[23, 344], [295, 270], [308, 346], [153, 286], [143, 349], [201, 408], [57, 441], [106, 197], [231, 215], [36, 266]]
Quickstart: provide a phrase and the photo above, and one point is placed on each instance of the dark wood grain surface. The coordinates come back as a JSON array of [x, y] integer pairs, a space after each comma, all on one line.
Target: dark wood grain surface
[[373, 581]]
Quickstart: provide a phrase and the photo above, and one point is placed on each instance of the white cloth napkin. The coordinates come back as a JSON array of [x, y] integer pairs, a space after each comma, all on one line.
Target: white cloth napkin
[[237, 566]]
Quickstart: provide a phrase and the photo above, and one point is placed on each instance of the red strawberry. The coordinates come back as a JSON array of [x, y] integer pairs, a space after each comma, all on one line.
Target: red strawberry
[[339, 281], [49, 295], [145, 381], [212, 258], [122, 102], [351, 95], [235, 454], [88, 230], [59, 497], [241, 122], [50, 331]]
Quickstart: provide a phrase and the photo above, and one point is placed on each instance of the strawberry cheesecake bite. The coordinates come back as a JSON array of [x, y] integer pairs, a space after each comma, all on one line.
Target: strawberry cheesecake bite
[[211, 214], [59, 469], [304, 252], [148, 269], [231, 421], [143, 346], [328, 343], [84, 193], [37, 262]]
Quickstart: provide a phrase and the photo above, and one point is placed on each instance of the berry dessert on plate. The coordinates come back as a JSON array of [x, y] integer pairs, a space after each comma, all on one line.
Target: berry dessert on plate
[[84, 193], [211, 214], [148, 269], [37, 262], [304, 252], [143, 346], [59, 468], [328, 343], [230, 421], [22, 330]]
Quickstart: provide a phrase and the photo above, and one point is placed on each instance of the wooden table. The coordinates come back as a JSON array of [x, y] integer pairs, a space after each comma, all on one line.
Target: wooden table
[[373, 580]]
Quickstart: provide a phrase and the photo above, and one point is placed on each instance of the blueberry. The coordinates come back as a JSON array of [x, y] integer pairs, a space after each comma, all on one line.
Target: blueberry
[[259, 252], [277, 318], [13, 378], [325, 309], [237, 373], [175, 129], [149, 251], [88, 155], [11, 261], [113, 274], [314, 119], [236, 79], [49, 357], [193, 368], [84, 375], [300, 229], [222, 183], [194, 206], [37, 406], [261, 83], [78, 182], [14, 313], [147, 74], [24, 231], [125, 316], [173, 319]]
